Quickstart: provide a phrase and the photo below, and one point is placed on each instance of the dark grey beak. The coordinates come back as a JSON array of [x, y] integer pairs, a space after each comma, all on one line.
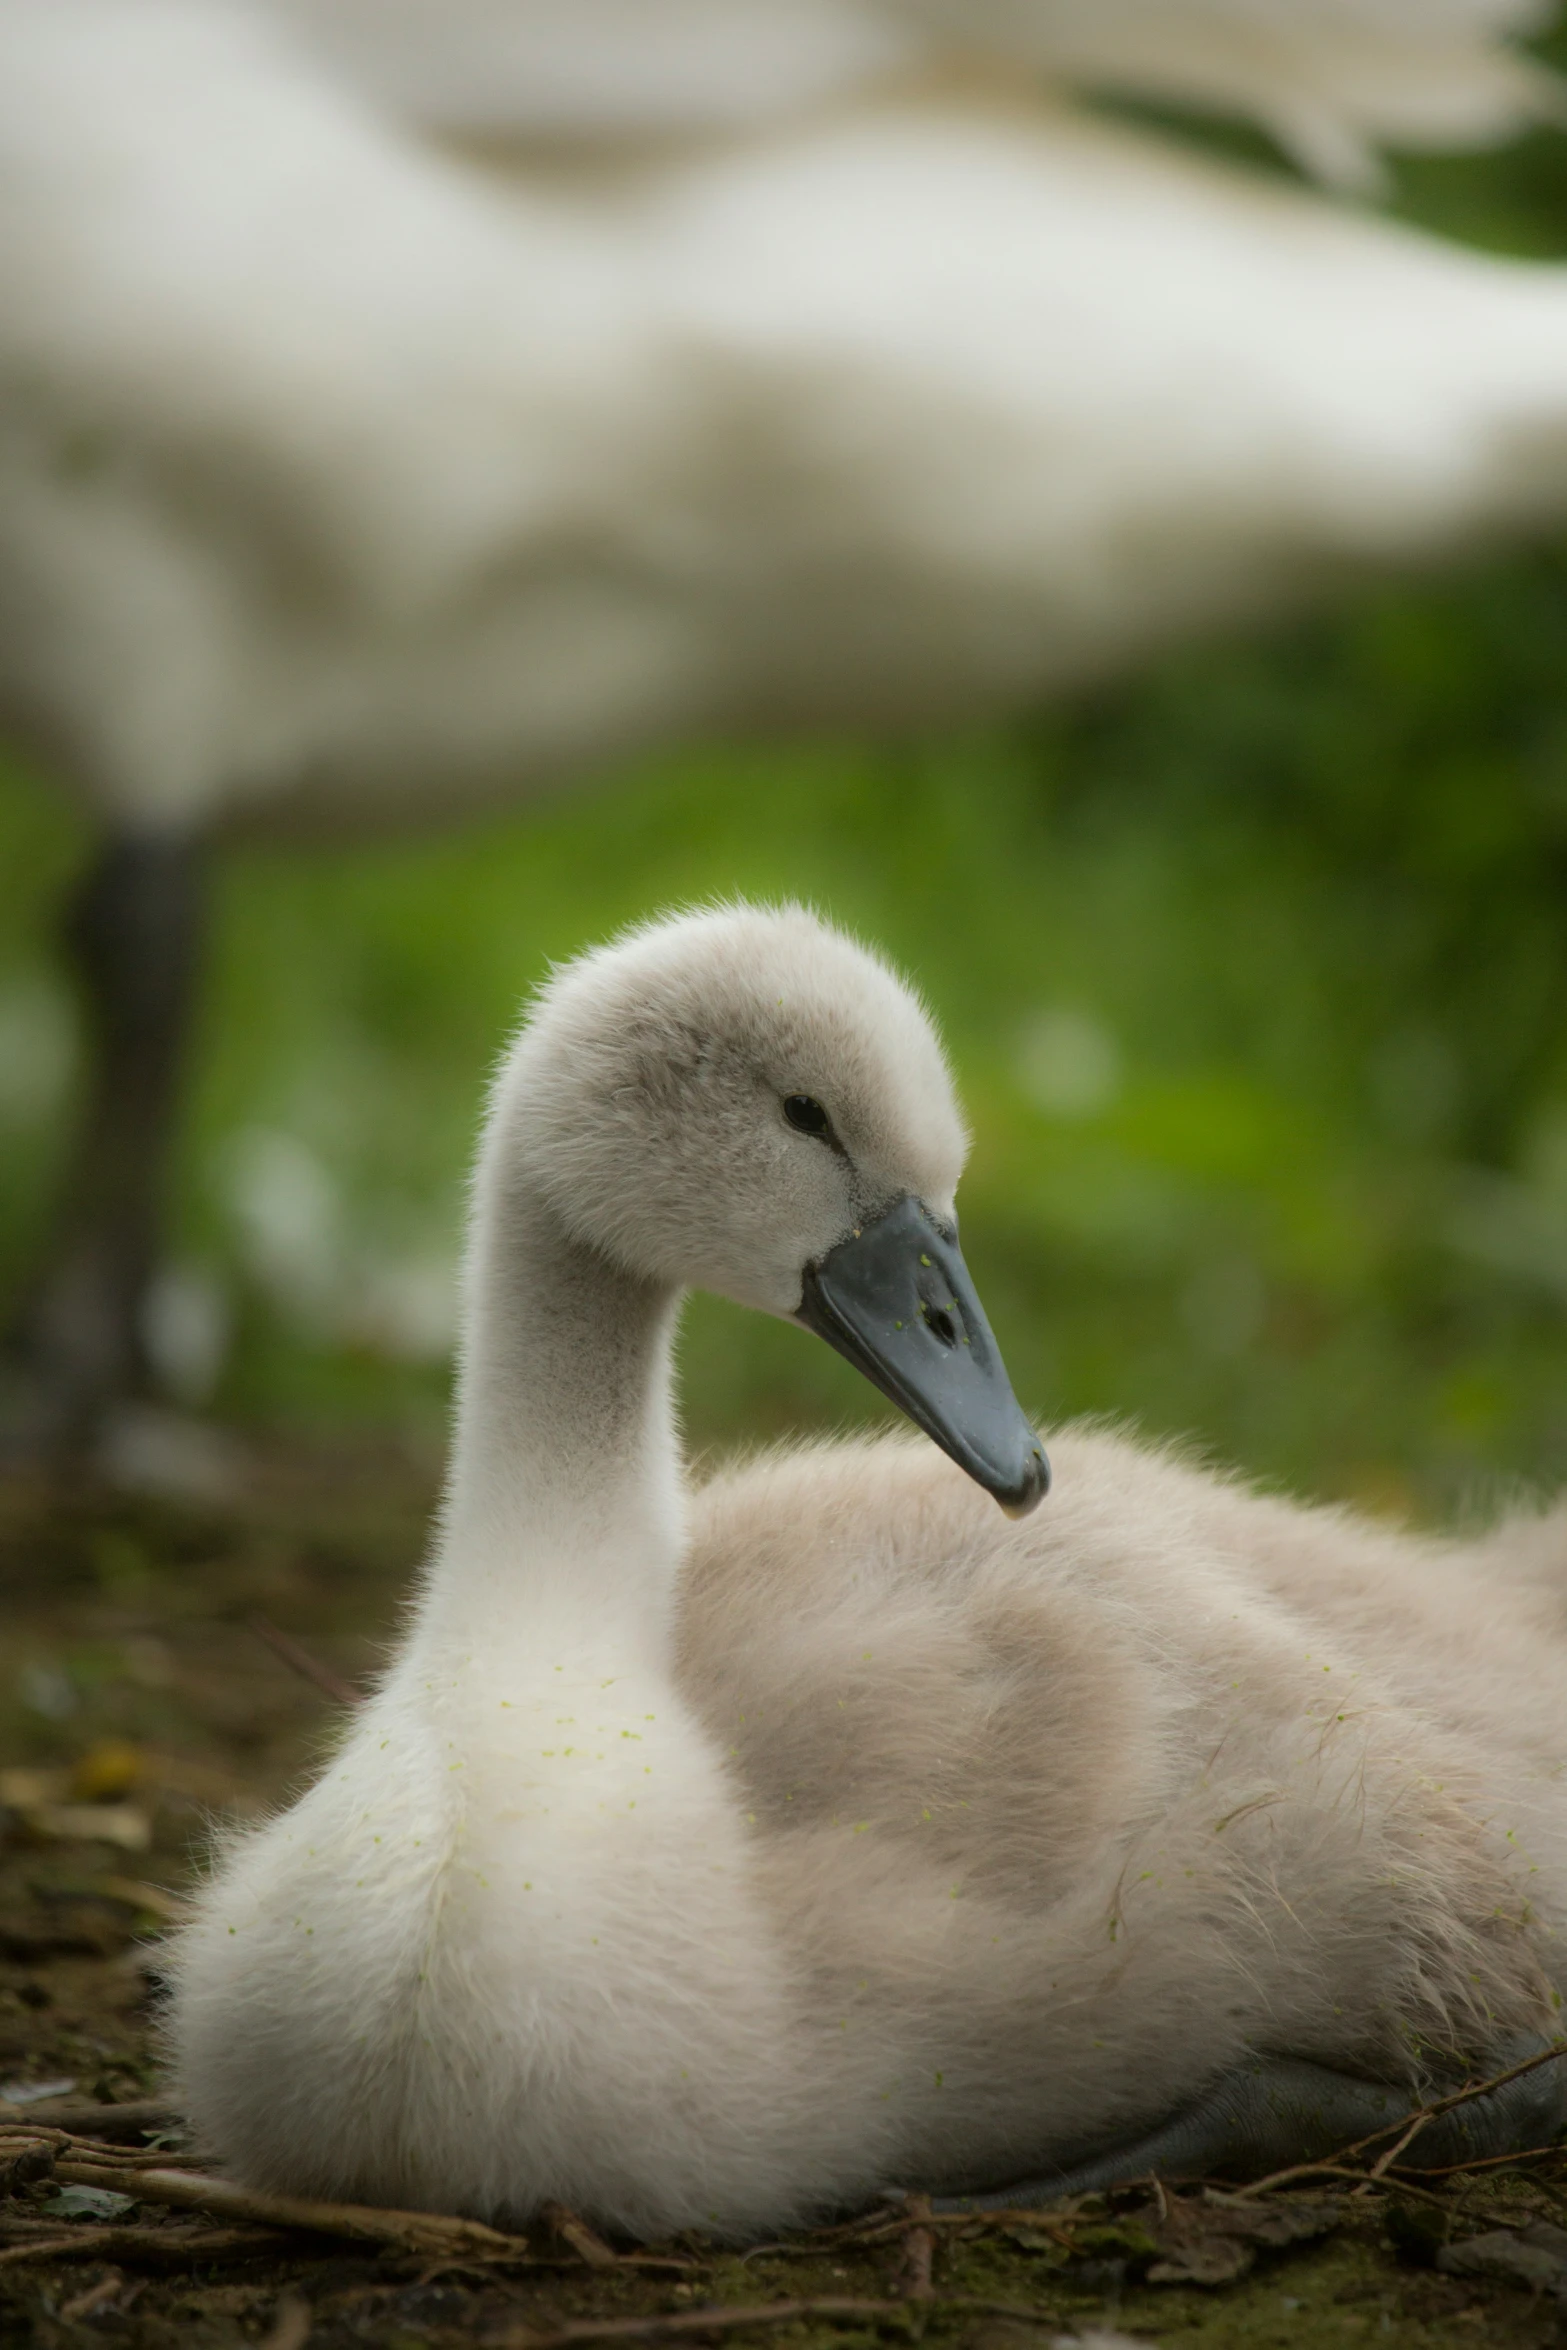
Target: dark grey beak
[[896, 1299]]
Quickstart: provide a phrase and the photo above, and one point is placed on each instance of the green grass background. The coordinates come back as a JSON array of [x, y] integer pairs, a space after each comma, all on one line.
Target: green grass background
[[1254, 973]]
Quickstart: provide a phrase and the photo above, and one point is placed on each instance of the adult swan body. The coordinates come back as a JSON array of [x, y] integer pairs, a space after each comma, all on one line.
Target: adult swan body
[[716, 1858], [410, 404]]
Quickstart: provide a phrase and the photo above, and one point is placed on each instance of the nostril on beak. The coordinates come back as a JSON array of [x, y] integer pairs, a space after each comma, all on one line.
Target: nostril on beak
[[941, 1324]]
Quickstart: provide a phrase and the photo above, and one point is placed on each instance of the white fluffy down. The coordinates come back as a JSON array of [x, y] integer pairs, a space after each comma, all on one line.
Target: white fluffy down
[[720, 1856]]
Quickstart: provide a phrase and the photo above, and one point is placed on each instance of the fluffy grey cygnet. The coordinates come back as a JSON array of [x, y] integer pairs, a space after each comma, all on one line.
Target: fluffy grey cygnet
[[717, 1855]]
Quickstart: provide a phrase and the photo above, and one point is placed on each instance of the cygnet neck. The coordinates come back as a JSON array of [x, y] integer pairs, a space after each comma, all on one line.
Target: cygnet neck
[[564, 1509]]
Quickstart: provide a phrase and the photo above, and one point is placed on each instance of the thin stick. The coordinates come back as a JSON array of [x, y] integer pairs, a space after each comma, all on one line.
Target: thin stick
[[69, 2247], [1055, 2219], [582, 2244], [18, 2137], [164, 2247], [407, 2231], [1026, 2315], [576, 2232], [1418, 2116], [309, 1668], [107, 2288], [1453, 2170], [1385, 2162], [919, 2245], [1557, 2049], [156, 1899], [712, 2320], [1338, 2170], [80, 2119], [721, 2319], [290, 2325]]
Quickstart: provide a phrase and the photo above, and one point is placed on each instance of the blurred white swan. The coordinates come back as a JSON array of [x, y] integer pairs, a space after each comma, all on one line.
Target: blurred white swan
[[404, 402]]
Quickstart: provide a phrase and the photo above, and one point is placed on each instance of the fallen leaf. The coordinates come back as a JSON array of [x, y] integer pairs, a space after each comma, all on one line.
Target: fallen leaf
[[1036, 2240], [1212, 2239], [1203, 2260], [108, 1769], [20, 1789], [33, 2092], [1535, 2257], [88, 2203], [123, 1824]]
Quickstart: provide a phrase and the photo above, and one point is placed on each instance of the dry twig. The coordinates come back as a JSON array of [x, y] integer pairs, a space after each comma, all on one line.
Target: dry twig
[[1454, 2170], [405, 2231], [128, 2123], [873, 2228], [574, 2231], [142, 2247], [1404, 2128], [720, 2319], [1384, 2162], [1395, 2184], [36, 2152], [757, 2313], [912, 2282], [712, 2320], [290, 2325], [310, 1668], [108, 2288]]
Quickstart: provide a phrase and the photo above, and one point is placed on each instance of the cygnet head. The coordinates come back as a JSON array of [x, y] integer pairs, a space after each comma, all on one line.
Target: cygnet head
[[746, 1101]]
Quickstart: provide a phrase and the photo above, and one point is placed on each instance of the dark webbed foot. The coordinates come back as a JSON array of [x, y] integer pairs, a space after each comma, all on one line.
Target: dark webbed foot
[[1279, 2111]]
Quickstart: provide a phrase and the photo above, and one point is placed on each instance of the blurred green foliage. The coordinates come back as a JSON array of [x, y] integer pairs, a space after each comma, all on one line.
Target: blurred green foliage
[[1254, 974]]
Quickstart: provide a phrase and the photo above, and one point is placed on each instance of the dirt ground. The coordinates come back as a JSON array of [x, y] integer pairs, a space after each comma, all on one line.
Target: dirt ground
[[138, 1698]]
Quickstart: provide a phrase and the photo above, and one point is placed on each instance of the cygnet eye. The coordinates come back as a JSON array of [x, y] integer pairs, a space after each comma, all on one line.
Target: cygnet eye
[[807, 1116]]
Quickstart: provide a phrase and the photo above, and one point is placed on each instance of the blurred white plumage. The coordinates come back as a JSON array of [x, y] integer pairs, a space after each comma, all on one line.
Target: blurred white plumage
[[1330, 78], [345, 470], [407, 401]]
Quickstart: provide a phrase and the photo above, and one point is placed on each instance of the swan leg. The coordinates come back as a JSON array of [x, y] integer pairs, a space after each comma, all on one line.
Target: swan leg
[[133, 933], [1279, 2111]]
